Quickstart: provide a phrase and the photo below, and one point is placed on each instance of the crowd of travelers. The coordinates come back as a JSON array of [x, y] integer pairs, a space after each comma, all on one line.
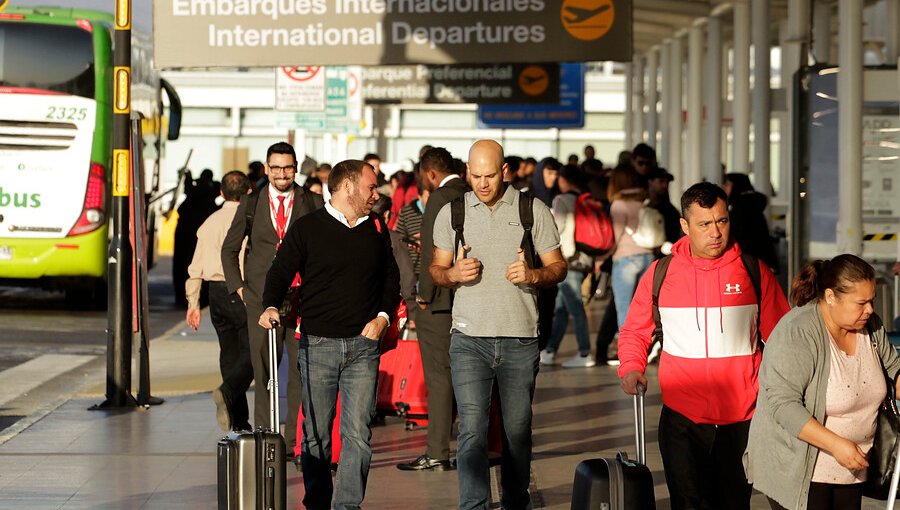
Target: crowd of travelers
[[755, 394]]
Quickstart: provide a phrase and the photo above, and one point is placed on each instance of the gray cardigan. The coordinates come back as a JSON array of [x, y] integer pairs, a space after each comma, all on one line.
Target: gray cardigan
[[793, 379]]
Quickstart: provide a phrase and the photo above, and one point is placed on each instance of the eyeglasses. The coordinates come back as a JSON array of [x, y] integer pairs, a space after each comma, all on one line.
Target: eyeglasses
[[282, 169]]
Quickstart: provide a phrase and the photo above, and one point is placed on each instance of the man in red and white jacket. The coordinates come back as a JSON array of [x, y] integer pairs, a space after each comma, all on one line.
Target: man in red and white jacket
[[710, 357]]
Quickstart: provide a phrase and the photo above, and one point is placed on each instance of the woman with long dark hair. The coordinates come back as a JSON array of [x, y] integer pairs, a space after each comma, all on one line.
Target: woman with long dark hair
[[820, 385]]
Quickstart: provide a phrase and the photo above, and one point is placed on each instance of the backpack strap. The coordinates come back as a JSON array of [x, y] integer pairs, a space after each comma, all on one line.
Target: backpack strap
[[526, 218], [751, 265], [457, 221], [659, 274]]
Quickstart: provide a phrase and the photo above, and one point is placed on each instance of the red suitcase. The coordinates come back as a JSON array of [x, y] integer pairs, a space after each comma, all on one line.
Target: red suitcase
[[401, 384]]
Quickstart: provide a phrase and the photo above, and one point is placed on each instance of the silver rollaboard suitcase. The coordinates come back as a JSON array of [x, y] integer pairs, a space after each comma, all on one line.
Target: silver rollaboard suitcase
[[251, 464], [619, 483]]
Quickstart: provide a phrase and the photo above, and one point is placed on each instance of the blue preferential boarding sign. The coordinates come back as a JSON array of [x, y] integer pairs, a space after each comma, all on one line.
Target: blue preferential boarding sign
[[569, 113]]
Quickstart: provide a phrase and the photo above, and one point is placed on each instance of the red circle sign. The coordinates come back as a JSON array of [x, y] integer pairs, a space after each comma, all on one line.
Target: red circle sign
[[352, 83], [301, 73]]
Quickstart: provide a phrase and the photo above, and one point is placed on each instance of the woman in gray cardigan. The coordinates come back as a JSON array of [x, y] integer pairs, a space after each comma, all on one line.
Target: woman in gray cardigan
[[820, 384]]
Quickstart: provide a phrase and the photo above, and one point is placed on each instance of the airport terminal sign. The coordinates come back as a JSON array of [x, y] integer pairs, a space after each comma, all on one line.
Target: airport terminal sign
[[482, 84], [267, 33]]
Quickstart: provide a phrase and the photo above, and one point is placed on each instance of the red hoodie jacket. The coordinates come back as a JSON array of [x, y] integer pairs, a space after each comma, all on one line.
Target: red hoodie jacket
[[709, 362]]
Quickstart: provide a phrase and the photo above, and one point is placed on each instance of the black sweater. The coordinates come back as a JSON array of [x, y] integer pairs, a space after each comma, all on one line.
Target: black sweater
[[349, 275]]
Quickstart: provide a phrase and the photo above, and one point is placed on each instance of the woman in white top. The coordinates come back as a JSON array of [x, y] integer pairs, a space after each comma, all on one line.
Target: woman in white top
[[820, 385]]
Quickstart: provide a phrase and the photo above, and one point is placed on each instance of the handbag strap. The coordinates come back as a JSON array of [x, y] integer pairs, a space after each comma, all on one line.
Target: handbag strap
[[890, 399]]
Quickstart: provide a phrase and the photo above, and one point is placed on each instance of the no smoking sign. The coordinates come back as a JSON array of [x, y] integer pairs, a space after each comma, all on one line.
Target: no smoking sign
[[301, 73], [300, 89]]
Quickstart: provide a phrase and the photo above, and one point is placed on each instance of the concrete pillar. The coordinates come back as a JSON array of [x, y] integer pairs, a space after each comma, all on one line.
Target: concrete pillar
[[628, 118], [676, 115], [892, 33], [713, 80], [740, 154], [822, 31], [665, 102], [653, 98], [637, 103], [762, 70], [381, 116], [693, 169], [850, 102]]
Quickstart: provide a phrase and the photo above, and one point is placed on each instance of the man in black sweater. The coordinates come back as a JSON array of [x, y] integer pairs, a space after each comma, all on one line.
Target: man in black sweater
[[350, 286]]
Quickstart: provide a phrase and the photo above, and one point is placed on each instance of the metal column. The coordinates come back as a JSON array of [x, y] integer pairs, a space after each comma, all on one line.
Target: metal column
[[892, 32], [713, 80], [628, 118], [740, 153], [793, 55], [653, 97], [119, 318], [762, 70], [676, 114], [665, 102], [822, 31], [637, 104], [693, 170], [850, 101]]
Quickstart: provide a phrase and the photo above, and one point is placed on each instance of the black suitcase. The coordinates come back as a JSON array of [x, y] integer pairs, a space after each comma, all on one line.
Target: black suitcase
[[251, 464], [619, 483]]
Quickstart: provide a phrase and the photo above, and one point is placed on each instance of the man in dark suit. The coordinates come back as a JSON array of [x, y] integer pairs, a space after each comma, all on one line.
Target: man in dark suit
[[433, 320], [263, 218]]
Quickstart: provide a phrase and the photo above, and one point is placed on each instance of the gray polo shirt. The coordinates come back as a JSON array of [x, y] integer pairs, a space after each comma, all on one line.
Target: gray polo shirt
[[491, 306]]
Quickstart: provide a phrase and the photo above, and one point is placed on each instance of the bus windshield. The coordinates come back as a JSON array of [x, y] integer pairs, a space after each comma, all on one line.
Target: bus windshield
[[55, 58]]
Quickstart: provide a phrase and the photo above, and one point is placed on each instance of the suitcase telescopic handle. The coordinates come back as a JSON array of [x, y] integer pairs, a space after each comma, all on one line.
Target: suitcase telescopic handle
[[639, 424], [273, 377]]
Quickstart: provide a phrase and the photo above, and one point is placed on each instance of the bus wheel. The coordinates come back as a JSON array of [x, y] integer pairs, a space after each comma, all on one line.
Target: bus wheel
[[88, 296]]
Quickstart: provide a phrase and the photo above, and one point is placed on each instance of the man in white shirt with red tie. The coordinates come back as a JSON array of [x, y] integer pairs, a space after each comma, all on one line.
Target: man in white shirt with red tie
[[263, 218]]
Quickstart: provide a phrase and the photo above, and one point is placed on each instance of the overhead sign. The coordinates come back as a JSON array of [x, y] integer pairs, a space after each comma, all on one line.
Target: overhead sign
[[300, 89], [269, 33], [479, 83], [343, 105], [568, 113]]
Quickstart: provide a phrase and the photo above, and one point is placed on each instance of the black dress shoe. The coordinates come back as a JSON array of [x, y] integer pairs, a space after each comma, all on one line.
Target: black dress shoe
[[424, 462]]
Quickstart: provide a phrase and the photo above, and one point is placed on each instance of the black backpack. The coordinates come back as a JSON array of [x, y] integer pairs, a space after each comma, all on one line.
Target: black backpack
[[751, 265], [526, 218]]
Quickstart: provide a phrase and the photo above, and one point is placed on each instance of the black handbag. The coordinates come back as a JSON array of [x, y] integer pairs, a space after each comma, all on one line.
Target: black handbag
[[883, 455]]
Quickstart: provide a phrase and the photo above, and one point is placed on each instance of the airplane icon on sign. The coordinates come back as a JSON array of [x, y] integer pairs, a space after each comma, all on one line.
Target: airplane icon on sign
[[532, 79], [580, 15]]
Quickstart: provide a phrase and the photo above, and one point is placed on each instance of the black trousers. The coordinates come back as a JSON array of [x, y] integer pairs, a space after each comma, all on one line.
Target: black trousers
[[433, 331], [608, 327], [703, 463], [827, 496], [229, 318], [259, 357], [546, 305]]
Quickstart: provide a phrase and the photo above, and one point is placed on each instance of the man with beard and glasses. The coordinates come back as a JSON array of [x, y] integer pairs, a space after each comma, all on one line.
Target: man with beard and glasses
[[351, 284], [262, 219]]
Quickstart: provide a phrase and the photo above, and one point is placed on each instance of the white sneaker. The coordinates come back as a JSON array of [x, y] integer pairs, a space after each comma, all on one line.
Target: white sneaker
[[579, 362], [613, 362], [548, 357]]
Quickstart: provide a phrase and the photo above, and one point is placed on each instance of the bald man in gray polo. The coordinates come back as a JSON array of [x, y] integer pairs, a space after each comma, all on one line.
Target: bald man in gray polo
[[494, 335]]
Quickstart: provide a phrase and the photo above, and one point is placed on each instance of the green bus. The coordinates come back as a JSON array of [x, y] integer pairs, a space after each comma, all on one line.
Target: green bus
[[56, 76]]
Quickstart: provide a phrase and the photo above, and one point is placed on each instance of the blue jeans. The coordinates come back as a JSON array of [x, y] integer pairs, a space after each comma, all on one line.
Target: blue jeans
[[475, 363], [569, 302], [626, 272], [329, 365]]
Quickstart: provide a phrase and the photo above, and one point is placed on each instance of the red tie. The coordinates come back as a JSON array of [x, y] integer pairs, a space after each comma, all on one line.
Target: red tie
[[280, 219]]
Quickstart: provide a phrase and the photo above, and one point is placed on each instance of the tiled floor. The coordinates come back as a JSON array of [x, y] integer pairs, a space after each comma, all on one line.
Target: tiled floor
[[164, 458]]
